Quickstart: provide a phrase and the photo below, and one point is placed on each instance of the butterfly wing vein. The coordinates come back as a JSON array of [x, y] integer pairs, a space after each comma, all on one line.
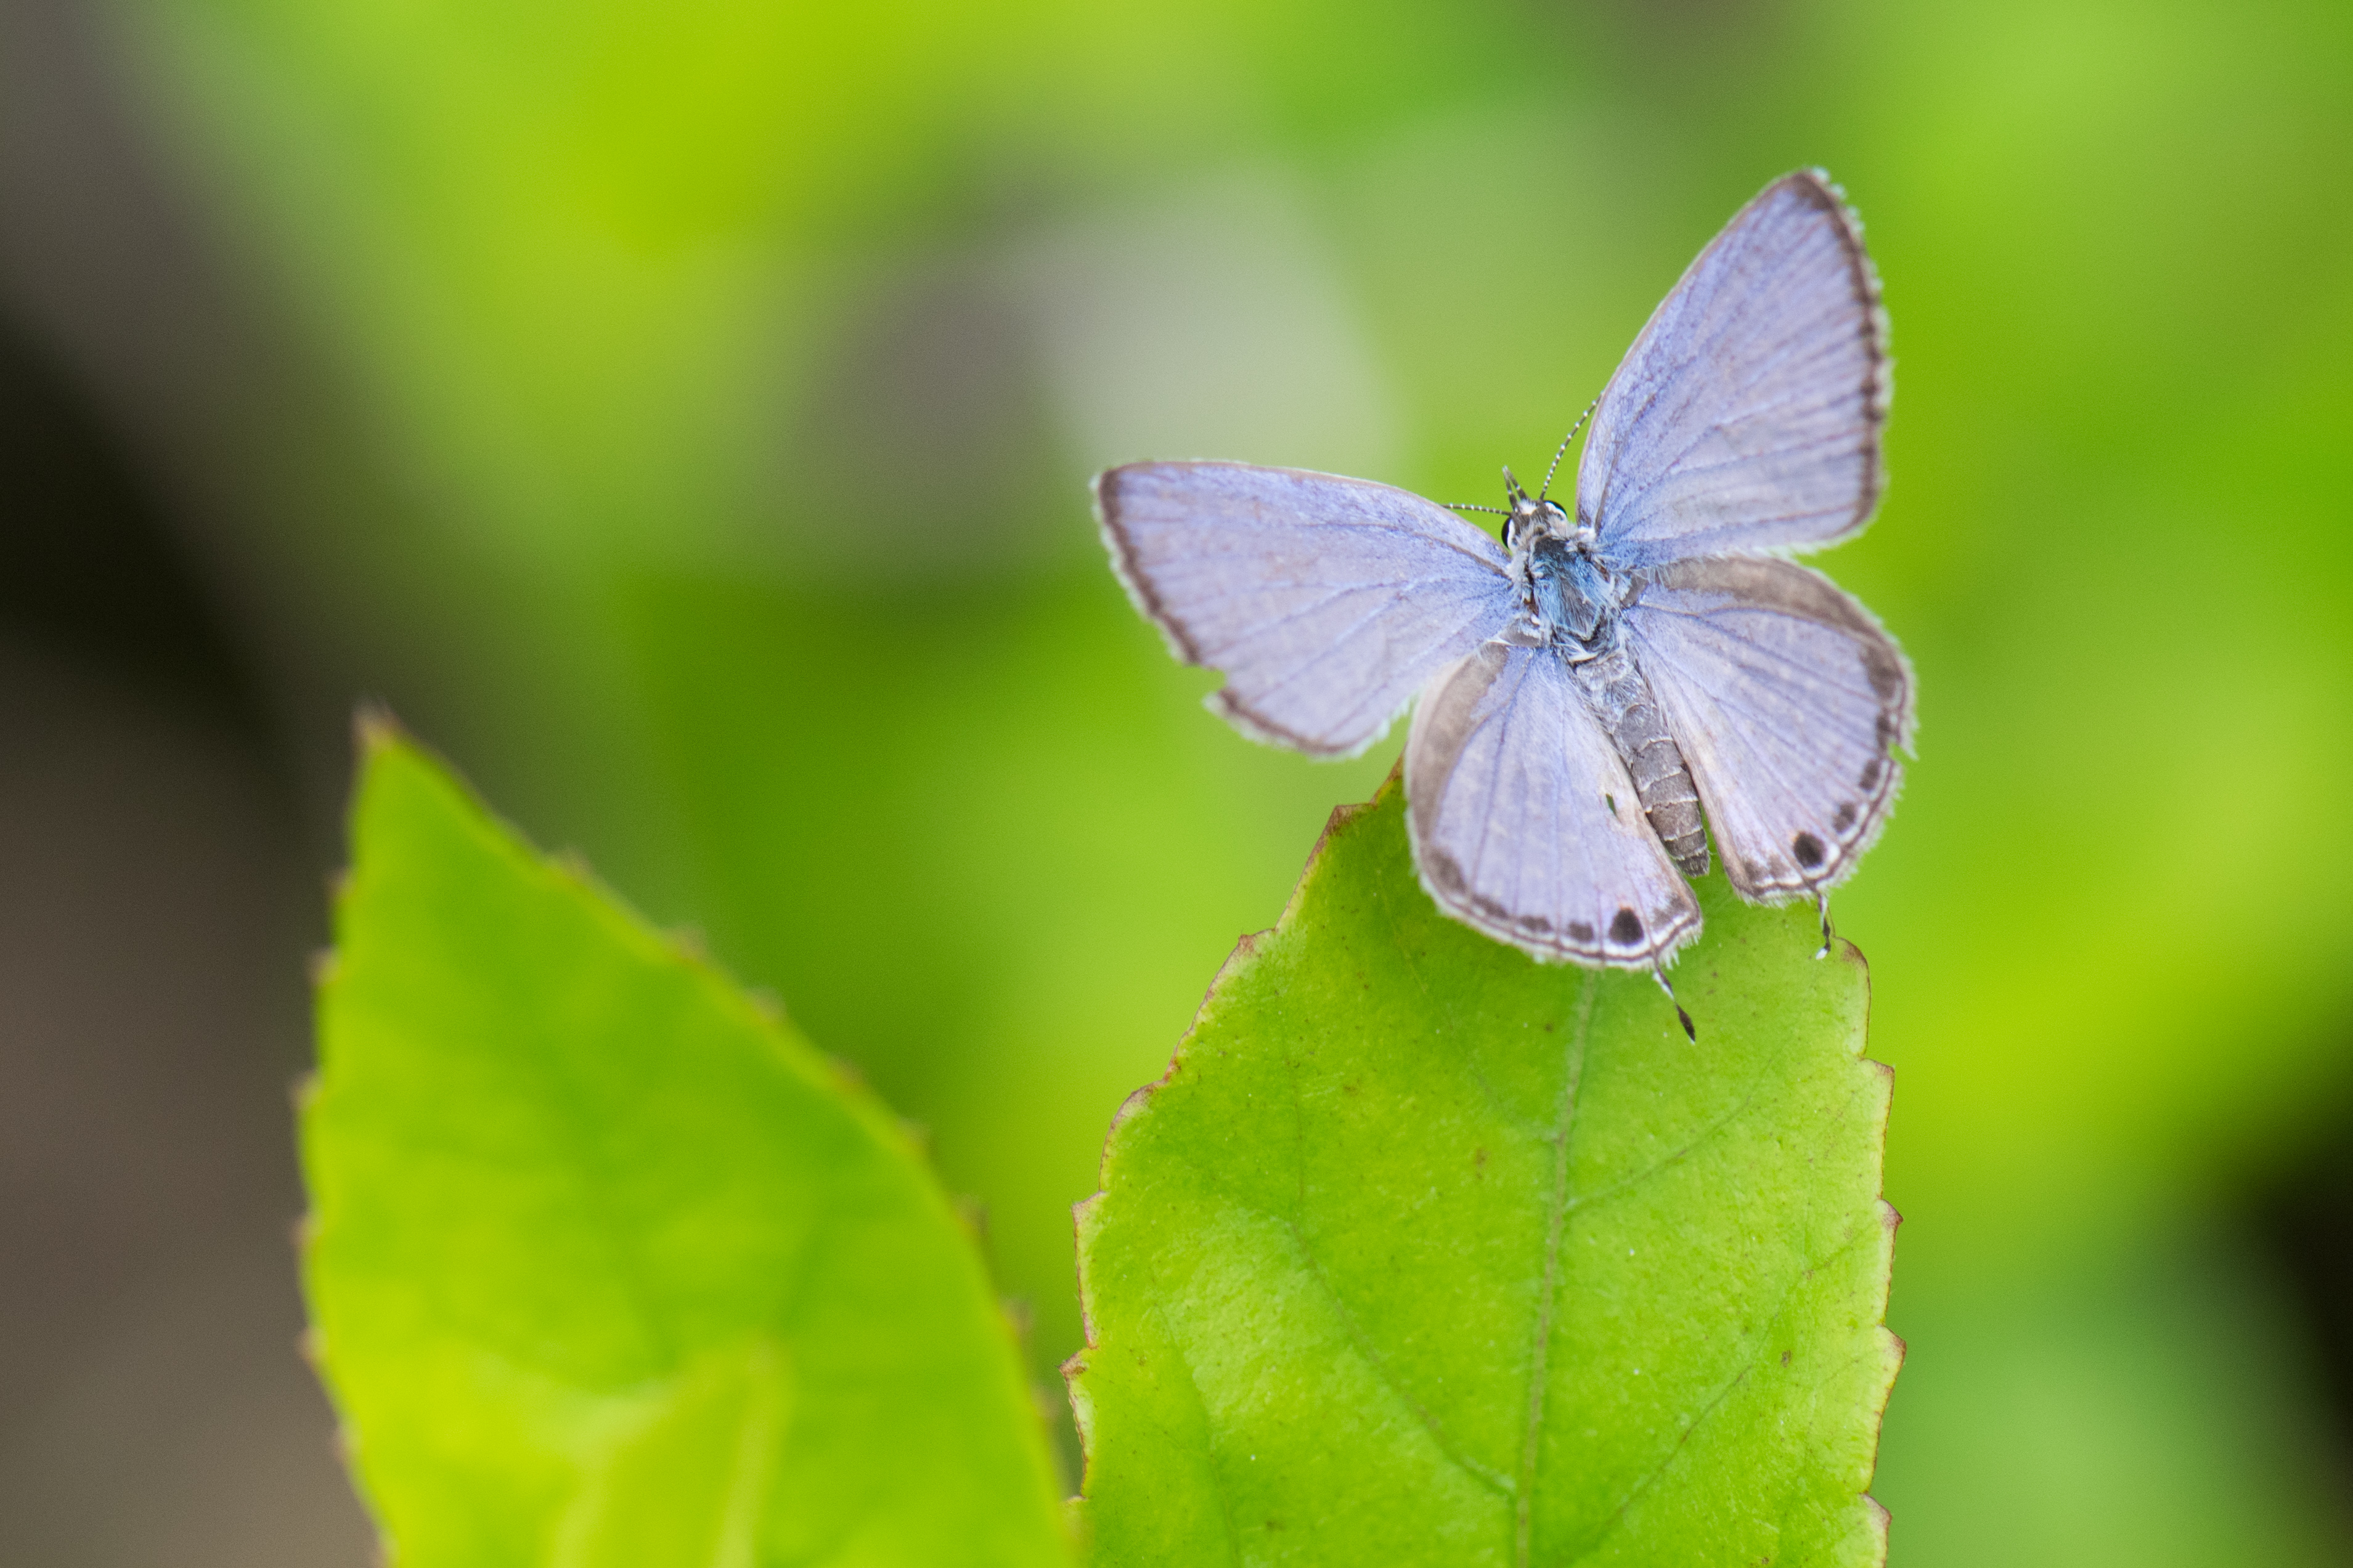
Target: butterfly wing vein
[[1326, 602]]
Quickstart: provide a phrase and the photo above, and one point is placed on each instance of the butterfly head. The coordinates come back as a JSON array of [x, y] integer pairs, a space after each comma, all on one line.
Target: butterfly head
[[1533, 517]]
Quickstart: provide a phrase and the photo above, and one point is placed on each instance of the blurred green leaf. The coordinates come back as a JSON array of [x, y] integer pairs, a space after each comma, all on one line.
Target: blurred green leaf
[[609, 1265], [1424, 1253]]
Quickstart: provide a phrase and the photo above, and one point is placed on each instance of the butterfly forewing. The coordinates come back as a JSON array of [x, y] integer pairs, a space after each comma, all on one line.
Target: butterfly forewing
[[1525, 823], [1747, 416], [1326, 602], [1788, 700]]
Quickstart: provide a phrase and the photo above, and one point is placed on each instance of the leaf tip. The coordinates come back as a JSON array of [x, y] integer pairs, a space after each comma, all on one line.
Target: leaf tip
[[375, 729]]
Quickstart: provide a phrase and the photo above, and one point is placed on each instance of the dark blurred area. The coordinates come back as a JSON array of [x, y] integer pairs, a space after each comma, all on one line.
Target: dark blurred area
[[157, 887], [89, 573], [682, 418], [2298, 1219]]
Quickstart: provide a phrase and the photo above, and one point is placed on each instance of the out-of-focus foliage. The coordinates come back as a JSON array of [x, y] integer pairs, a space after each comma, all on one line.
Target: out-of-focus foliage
[[741, 366], [610, 1267], [1423, 1252]]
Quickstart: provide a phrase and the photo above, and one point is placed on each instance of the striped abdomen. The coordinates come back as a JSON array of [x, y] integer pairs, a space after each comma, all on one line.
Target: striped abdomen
[[1619, 696]]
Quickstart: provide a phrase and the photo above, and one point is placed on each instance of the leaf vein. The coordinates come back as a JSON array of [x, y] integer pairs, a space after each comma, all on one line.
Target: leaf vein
[[1666, 1162], [1611, 1525], [1486, 1475], [1573, 1070]]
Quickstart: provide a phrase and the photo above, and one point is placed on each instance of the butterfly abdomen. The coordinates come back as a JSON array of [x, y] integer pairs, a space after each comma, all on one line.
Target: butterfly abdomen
[[1621, 698]]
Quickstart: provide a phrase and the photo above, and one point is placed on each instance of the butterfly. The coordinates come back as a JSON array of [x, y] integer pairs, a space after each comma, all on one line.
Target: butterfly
[[1608, 685]]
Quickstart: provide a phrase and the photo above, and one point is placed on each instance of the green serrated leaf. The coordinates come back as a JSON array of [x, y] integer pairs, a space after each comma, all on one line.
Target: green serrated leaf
[[1424, 1253], [610, 1267]]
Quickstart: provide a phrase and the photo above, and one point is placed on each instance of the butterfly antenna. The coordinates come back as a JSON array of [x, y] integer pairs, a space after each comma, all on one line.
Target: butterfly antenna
[[1659, 974], [1823, 903], [1565, 440], [1472, 506]]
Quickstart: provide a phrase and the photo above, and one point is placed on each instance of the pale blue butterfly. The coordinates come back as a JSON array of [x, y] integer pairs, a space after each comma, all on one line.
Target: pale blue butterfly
[[1590, 685]]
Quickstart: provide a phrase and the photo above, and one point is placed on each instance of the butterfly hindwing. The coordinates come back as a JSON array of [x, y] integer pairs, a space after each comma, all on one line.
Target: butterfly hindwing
[[1787, 700], [1747, 416], [1525, 824], [1326, 602]]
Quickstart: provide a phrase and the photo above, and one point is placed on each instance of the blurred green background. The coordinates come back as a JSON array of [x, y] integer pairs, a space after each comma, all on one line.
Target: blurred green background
[[682, 414]]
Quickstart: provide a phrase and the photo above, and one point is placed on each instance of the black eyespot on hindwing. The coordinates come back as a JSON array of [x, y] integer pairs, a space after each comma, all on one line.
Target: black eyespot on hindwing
[[1871, 771], [1626, 928], [1808, 849], [1845, 817], [1579, 932]]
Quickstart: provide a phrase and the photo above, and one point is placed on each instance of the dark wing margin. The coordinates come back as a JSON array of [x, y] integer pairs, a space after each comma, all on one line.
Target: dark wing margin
[[1326, 602], [1788, 701], [1746, 418], [1525, 824]]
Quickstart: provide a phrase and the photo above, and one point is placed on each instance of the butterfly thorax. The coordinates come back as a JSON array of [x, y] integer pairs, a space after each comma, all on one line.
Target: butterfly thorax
[[1573, 597]]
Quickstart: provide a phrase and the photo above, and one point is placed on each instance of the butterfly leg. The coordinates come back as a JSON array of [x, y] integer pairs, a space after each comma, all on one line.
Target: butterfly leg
[[1660, 976], [1823, 903]]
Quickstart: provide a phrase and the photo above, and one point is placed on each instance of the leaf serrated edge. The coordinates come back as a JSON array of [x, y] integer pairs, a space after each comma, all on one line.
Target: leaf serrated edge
[[376, 730], [1892, 1348], [1085, 1215]]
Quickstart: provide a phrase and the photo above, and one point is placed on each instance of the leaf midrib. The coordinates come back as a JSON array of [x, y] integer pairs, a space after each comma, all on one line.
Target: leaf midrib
[[1556, 1233]]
